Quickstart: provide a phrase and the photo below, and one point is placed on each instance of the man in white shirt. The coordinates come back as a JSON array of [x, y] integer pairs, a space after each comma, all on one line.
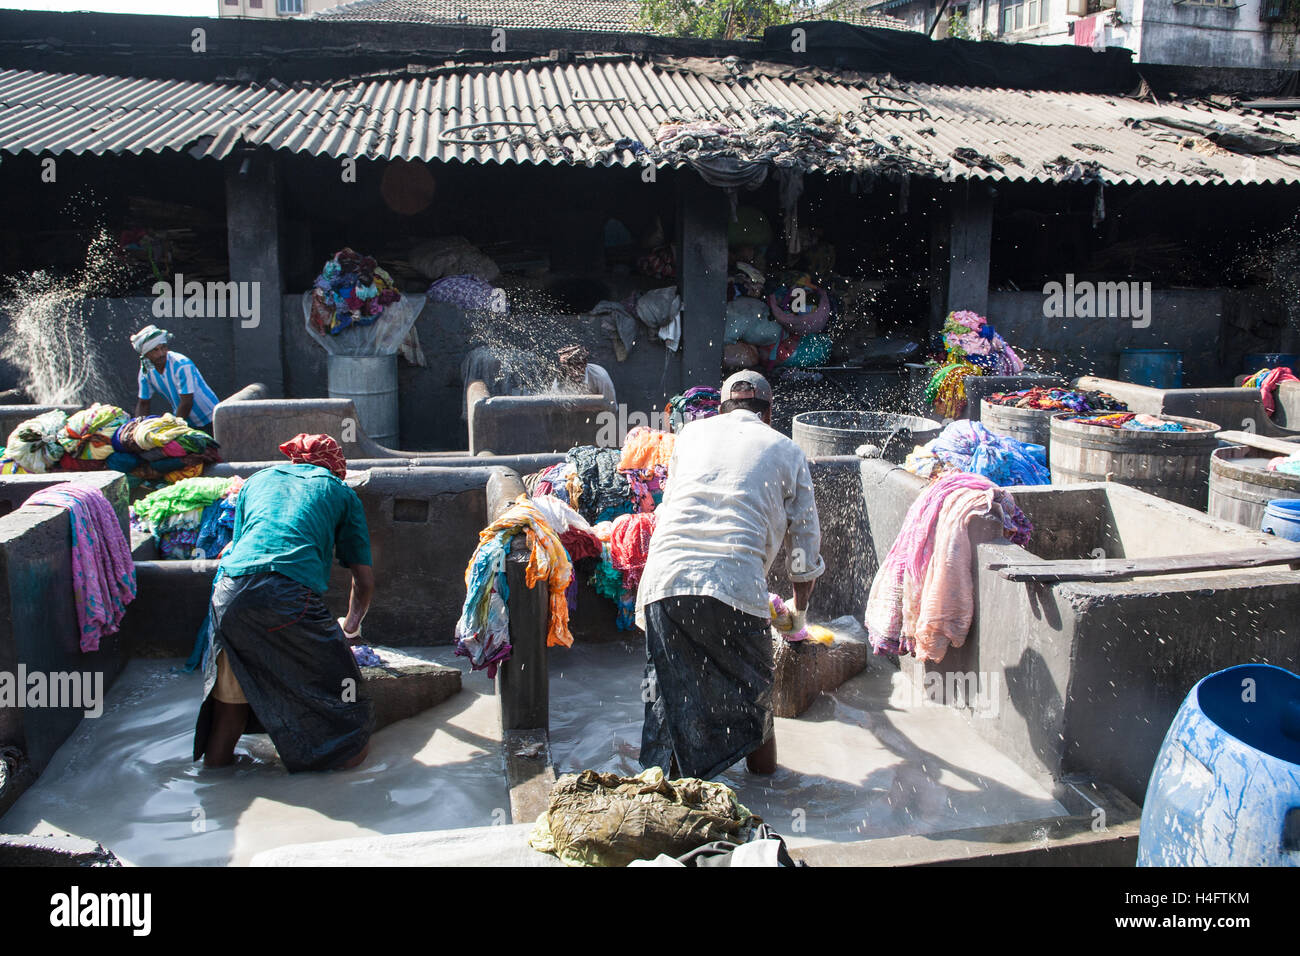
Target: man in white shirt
[[174, 376], [737, 492], [579, 374]]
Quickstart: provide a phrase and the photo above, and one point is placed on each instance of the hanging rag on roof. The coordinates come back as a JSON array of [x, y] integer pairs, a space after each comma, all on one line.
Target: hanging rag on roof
[[482, 633], [923, 597], [103, 574], [1267, 380]]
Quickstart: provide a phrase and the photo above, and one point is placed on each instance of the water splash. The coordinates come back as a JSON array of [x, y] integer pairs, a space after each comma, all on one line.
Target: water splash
[[50, 337]]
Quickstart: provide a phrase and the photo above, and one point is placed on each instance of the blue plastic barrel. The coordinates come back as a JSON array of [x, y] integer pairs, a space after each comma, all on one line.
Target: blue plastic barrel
[[1159, 368], [1282, 518], [1225, 790], [1255, 361]]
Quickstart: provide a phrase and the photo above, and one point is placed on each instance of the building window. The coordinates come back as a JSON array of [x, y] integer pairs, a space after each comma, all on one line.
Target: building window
[[288, 6], [1023, 14], [255, 4]]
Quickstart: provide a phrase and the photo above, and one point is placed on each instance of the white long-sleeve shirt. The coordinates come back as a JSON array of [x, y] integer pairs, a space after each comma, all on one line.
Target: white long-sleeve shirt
[[737, 491]]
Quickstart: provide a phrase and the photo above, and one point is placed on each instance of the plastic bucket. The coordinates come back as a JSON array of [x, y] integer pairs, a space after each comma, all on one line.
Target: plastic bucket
[[1282, 518], [1225, 790], [1255, 361], [1157, 368]]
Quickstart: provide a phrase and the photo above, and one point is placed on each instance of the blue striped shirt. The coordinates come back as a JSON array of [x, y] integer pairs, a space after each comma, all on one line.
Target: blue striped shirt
[[180, 376]]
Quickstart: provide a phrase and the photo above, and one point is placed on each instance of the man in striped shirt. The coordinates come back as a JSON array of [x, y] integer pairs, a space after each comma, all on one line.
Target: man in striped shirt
[[174, 376]]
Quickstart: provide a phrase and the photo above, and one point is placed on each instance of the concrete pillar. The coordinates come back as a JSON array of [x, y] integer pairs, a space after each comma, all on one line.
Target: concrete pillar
[[253, 213], [702, 216], [959, 253]]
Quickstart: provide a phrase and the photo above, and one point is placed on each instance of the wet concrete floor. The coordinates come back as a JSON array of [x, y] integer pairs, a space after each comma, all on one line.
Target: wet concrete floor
[[852, 767], [126, 778]]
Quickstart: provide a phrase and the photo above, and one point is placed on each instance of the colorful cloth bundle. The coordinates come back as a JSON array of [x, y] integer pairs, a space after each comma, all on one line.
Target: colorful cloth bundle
[[36, 444], [629, 545], [923, 597], [970, 447], [184, 497], [88, 434], [605, 492], [162, 448], [698, 402], [970, 337], [644, 448], [365, 656], [470, 293], [1059, 399], [350, 290], [482, 632], [1133, 422], [103, 574], [1267, 380], [946, 390]]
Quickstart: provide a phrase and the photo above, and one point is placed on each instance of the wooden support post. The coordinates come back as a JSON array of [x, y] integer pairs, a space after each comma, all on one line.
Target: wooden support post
[[703, 214]]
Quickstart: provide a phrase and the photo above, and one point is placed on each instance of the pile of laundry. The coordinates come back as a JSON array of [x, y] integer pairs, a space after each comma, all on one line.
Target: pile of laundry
[[658, 310], [1059, 399], [603, 819], [922, 599], [154, 448], [1267, 380], [776, 321], [470, 293], [1129, 421], [966, 446], [701, 401], [971, 347], [350, 290], [191, 519], [483, 631]]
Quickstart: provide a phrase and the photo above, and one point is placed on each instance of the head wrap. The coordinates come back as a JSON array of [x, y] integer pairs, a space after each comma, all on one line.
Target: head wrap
[[149, 338], [316, 450], [574, 356]]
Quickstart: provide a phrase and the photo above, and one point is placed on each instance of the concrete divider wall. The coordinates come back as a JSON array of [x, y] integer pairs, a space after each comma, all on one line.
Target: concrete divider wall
[[39, 629], [1089, 675], [524, 424]]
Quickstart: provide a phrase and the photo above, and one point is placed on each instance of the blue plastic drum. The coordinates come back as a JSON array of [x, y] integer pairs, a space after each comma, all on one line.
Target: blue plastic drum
[[1225, 790], [1255, 361], [1282, 518], [1158, 368]]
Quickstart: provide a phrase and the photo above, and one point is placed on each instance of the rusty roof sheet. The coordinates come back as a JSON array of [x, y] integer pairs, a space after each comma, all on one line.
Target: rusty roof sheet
[[574, 112]]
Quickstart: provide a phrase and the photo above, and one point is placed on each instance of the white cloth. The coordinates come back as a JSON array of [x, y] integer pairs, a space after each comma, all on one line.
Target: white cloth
[[737, 492], [596, 381], [560, 516]]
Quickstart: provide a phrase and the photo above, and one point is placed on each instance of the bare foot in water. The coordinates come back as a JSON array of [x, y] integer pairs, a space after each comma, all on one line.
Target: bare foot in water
[[763, 760], [358, 759]]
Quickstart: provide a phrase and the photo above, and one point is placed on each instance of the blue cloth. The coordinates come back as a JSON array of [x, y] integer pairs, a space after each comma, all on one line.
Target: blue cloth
[[289, 518], [971, 447], [180, 376]]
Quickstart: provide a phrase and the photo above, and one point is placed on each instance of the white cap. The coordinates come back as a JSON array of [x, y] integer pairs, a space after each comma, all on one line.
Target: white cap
[[747, 379]]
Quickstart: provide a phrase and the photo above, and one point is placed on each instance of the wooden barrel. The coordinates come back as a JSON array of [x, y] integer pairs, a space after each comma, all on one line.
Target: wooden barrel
[[1170, 465], [1241, 486], [1032, 425]]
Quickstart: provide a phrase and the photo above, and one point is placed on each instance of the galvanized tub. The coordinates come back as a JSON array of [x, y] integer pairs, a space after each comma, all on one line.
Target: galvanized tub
[[1241, 486], [371, 382], [824, 433], [1170, 465]]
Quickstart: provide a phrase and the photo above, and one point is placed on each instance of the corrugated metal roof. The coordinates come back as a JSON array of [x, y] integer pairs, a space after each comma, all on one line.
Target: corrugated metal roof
[[602, 16], [573, 112]]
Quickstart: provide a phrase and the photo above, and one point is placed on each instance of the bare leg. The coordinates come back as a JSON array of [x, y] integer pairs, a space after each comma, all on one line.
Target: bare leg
[[763, 760], [356, 761], [228, 722]]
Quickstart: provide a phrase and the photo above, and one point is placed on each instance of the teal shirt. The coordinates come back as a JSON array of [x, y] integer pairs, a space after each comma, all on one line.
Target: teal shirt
[[291, 519]]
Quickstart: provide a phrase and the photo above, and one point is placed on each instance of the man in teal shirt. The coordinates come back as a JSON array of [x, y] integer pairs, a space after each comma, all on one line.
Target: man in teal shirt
[[278, 660]]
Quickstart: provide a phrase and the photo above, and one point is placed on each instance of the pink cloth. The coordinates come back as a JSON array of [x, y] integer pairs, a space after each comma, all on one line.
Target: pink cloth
[[923, 597], [1085, 30], [1268, 387], [103, 574]]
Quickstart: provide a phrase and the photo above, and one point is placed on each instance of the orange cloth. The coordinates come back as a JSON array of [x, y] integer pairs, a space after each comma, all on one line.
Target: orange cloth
[[645, 448], [547, 561]]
